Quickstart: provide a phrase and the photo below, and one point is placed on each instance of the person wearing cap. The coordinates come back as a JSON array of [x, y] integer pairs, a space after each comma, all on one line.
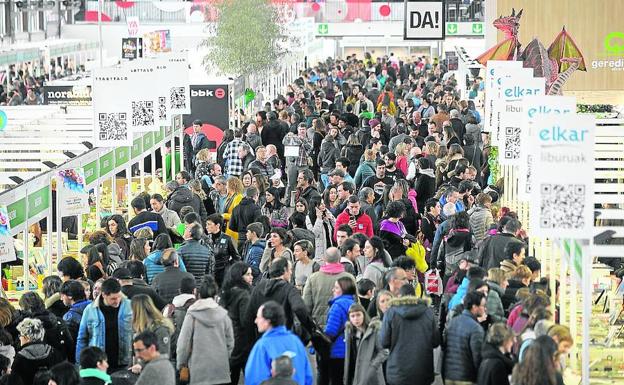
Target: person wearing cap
[[107, 324], [132, 283]]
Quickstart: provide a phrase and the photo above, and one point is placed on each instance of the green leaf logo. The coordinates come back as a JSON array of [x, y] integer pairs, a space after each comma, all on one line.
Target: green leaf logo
[[614, 43]]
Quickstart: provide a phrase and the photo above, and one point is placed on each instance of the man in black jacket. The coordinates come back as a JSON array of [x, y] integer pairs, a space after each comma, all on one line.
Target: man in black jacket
[[409, 331], [492, 250], [145, 218], [167, 283], [245, 213], [279, 289]]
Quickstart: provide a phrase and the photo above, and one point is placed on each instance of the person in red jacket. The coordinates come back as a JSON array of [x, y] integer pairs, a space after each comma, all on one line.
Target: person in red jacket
[[357, 220]]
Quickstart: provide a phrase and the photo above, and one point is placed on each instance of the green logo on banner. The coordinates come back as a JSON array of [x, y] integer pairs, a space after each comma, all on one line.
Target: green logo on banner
[[451, 28], [137, 148], [107, 163], [38, 201], [122, 156], [323, 29], [477, 28], [614, 43], [90, 172], [17, 212]]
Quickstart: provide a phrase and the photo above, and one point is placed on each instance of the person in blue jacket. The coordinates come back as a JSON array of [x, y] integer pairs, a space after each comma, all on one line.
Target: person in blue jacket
[[344, 293], [275, 342]]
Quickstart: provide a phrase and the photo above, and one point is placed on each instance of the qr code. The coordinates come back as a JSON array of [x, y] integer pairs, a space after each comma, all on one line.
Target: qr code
[[178, 98], [512, 142], [162, 108], [562, 206], [142, 113], [113, 126]]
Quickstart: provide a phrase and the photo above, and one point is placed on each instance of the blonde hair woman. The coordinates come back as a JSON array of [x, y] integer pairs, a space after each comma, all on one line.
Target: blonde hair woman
[[234, 188], [202, 162], [146, 317], [401, 157]]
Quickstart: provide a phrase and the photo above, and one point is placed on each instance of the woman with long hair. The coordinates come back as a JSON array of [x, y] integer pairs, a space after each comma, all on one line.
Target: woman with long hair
[[363, 351], [497, 363], [274, 209], [320, 130], [197, 189], [374, 251], [117, 229], [202, 163], [228, 136], [382, 303], [147, 317], [321, 222], [392, 230], [260, 182], [99, 264], [52, 293], [140, 248], [540, 364], [301, 209], [235, 298], [330, 197], [234, 188], [276, 247], [206, 339], [344, 292], [352, 150]]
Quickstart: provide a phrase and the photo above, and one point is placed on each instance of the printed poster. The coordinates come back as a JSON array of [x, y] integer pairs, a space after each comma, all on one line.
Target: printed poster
[[513, 92], [7, 250], [72, 192], [561, 204], [144, 100], [517, 76], [535, 108], [111, 93], [177, 83], [157, 68], [157, 42], [493, 66]]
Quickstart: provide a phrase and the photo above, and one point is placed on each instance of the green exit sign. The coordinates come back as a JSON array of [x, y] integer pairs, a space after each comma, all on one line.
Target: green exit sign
[[323, 29], [451, 28], [477, 28]]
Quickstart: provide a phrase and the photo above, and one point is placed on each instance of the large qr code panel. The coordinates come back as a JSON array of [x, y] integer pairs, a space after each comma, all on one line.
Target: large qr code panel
[[512, 142], [142, 113], [178, 98], [562, 206], [112, 126]]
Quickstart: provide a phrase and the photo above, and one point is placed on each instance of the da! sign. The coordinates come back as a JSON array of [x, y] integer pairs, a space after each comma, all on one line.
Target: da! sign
[[424, 20]]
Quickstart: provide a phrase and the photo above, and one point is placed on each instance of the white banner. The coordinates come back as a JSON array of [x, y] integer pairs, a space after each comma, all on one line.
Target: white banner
[[424, 20], [493, 66], [516, 76], [71, 191], [144, 97], [561, 203], [7, 250], [535, 108], [111, 93], [509, 138], [177, 82]]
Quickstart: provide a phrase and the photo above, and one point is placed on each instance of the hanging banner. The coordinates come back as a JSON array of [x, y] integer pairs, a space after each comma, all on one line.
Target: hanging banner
[[177, 83], [7, 250], [209, 103], [72, 192], [561, 204], [512, 93], [144, 96], [112, 89], [535, 108], [156, 68], [493, 66], [516, 76]]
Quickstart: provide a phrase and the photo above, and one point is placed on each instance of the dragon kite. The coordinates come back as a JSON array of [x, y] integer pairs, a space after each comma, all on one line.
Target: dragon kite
[[556, 64]]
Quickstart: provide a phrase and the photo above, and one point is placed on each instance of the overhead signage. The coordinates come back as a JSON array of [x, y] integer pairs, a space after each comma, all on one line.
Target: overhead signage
[[424, 20], [78, 95]]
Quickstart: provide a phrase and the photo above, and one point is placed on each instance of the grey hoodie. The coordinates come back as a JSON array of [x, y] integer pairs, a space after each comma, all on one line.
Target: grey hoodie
[[157, 371]]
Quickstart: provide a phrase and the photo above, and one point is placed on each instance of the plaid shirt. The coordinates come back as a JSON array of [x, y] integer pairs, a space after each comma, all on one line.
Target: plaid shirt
[[233, 163], [304, 149]]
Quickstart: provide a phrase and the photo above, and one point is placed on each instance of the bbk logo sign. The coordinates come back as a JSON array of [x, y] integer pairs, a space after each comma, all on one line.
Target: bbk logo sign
[[424, 20], [202, 93]]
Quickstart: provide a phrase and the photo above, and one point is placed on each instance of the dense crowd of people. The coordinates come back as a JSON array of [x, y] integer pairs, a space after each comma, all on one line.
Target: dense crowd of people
[[347, 234]]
